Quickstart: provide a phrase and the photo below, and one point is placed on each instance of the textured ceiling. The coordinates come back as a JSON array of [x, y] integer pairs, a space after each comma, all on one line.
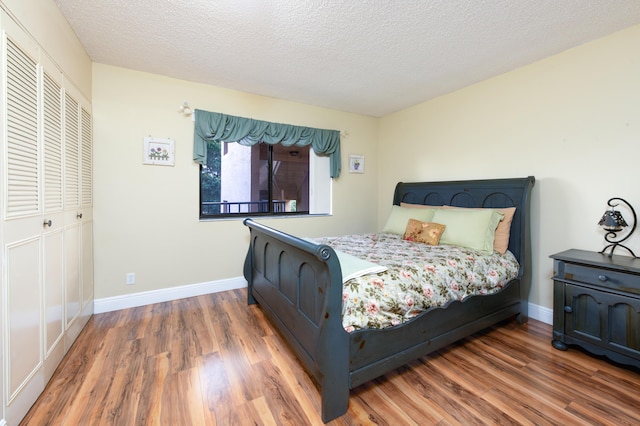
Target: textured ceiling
[[372, 57]]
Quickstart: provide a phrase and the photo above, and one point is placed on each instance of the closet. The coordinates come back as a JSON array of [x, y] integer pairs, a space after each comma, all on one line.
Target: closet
[[45, 218]]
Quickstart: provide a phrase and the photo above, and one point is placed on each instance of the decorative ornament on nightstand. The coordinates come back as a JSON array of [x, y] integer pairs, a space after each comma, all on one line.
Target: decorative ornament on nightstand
[[613, 222]]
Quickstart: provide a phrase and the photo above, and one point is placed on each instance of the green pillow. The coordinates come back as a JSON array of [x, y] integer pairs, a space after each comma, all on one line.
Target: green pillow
[[469, 228], [399, 217]]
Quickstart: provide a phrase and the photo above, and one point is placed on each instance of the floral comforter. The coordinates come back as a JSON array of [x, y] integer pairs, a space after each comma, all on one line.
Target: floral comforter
[[419, 276]]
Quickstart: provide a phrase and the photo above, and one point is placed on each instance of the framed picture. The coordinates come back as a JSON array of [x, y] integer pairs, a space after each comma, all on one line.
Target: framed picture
[[356, 164], [158, 151]]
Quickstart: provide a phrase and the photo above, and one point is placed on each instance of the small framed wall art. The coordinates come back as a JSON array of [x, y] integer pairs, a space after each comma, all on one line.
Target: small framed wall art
[[356, 164], [158, 151]]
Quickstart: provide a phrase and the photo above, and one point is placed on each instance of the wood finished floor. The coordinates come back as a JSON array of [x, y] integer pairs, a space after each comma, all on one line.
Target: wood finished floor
[[213, 360]]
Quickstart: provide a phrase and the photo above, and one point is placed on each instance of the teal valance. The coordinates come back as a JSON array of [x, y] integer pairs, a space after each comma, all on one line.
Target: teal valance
[[216, 127]]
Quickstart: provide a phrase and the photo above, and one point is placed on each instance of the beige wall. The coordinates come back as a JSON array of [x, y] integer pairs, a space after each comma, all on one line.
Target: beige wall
[[572, 121], [146, 217]]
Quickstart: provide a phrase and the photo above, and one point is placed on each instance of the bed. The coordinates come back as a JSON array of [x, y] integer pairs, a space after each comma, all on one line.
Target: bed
[[299, 286]]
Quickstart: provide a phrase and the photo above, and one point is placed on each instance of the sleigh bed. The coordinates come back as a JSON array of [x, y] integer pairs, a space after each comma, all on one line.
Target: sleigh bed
[[299, 285]]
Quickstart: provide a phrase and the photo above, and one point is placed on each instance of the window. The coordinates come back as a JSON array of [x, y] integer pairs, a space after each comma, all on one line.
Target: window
[[263, 179], [255, 167]]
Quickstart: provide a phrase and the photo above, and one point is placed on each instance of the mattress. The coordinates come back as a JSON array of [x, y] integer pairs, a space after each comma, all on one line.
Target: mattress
[[418, 277]]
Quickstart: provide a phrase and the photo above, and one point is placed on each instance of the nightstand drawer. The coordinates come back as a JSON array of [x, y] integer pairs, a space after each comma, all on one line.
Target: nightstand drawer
[[615, 280]]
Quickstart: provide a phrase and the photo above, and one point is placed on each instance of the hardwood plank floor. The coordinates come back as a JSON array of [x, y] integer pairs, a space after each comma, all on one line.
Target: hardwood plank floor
[[214, 360]]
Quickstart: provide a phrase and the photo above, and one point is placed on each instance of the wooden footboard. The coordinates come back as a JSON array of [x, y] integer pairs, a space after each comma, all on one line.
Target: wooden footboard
[[298, 284]]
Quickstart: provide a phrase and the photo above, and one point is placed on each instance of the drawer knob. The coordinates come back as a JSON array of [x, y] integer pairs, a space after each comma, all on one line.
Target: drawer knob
[[602, 278], [568, 309]]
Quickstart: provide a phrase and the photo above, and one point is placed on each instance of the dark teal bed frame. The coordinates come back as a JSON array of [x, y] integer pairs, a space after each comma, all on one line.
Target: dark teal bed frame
[[298, 285]]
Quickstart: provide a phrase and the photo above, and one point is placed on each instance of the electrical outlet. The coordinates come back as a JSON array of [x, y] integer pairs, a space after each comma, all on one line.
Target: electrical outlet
[[131, 278]]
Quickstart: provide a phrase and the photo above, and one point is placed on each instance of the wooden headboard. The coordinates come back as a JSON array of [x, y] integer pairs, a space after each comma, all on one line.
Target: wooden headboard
[[491, 193]]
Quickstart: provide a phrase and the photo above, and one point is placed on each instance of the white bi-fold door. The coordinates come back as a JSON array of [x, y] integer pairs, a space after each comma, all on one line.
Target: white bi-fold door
[[46, 219]]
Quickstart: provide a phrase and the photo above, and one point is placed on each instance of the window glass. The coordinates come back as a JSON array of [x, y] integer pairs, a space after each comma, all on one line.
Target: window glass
[[290, 184], [263, 179]]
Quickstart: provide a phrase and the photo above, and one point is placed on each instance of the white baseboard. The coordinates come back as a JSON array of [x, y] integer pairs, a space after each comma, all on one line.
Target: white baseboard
[[115, 303], [125, 301], [541, 313]]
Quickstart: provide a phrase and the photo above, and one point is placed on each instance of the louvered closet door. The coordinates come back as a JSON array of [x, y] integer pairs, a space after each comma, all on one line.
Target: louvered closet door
[[52, 173], [86, 208], [78, 230], [72, 231], [46, 218], [22, 233]]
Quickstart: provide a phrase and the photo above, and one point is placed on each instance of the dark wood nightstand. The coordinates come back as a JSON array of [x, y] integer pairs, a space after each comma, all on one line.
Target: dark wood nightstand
[[596, 304]]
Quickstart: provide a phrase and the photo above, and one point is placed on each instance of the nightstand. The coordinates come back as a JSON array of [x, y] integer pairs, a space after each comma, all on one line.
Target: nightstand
[[596, 304]]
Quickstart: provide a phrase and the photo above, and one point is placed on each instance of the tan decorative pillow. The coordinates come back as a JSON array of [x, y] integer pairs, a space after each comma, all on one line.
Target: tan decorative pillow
[[423, 232]]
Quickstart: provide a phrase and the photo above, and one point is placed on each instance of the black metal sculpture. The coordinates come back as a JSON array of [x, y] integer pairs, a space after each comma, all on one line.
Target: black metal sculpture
[[613, 222]]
